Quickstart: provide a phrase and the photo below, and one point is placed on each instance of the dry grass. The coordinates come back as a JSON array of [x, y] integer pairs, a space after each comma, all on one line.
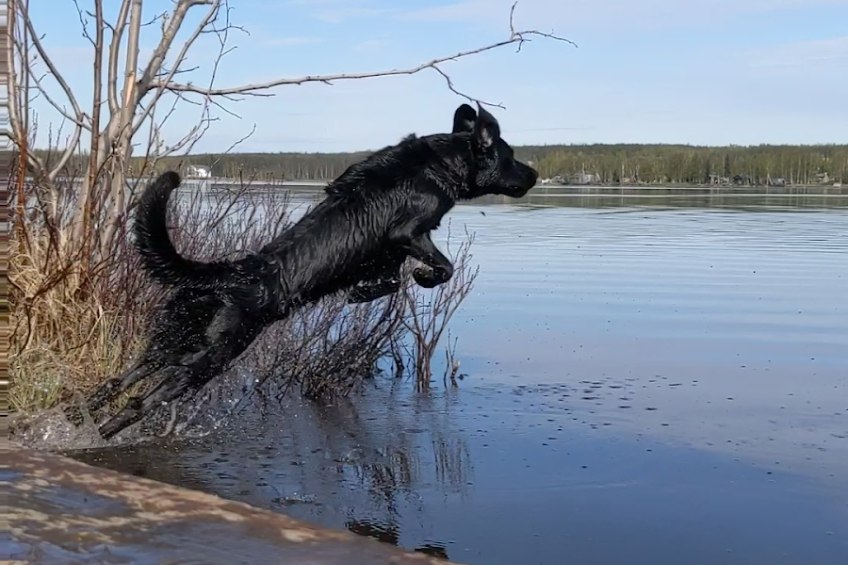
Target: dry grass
[[76, 324], [68, 336]]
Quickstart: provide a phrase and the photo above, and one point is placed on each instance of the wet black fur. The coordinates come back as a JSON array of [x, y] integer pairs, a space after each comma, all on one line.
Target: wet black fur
[[378, 212]]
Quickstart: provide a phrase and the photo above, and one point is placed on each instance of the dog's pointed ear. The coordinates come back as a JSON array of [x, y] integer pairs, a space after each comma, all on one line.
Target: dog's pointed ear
[[464, 119], [486, 128]]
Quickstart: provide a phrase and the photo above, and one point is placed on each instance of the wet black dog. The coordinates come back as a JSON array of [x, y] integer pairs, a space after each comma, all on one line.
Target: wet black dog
[[378, 212]]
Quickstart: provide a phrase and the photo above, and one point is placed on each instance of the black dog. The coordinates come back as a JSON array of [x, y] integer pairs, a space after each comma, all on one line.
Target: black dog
[[378, 212]]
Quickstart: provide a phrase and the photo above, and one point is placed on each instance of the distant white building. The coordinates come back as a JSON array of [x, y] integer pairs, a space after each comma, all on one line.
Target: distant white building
[[585, 178], [198, 172]]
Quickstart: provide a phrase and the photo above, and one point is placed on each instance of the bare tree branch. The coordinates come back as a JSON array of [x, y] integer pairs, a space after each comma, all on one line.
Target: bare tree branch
[[121, 127], [56, 106], [84, 23], [114, 52], [17, 50], [161, 50], [170, 32], [72, 146], [92, 169], [256, 89]]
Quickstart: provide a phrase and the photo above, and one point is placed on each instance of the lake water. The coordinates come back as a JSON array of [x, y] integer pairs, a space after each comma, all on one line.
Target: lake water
[[652, 376]]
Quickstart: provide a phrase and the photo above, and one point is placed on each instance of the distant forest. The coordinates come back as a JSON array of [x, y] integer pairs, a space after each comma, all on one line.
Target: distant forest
[[581, 164], [589, 164]]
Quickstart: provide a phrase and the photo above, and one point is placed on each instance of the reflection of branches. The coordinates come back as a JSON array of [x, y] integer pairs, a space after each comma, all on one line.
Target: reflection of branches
[[451, 457]]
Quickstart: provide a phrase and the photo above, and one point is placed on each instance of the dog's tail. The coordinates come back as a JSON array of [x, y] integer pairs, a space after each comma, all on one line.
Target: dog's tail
[[161, 259]]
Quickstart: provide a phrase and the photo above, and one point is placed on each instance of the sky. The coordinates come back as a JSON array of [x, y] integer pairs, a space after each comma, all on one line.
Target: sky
[[705, 72]]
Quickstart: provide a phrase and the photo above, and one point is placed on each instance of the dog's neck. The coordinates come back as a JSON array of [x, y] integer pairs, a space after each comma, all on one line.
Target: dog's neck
[[432, 157], [452, 170]]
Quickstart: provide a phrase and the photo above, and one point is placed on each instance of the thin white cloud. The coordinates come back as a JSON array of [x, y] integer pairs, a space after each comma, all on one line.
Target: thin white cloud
[[292, 40], [314, 2], [346, 13], [341, 11], [821, 53], [605, 13], [370, 45], [458, 11]]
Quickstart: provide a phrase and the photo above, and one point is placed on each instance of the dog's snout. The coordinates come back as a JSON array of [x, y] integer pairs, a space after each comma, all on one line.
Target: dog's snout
[[531, 174]]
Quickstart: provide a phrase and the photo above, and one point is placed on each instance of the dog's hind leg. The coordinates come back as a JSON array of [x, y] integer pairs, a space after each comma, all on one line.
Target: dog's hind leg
[[108, 390], [177, 330], [175, 380], [227, 335], [116, 385]]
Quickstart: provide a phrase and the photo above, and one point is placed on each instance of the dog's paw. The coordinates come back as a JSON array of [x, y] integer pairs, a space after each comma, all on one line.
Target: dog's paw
[[431, 276]]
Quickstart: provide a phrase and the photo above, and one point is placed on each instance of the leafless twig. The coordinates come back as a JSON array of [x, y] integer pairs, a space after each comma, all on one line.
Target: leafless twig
[[516, 37]]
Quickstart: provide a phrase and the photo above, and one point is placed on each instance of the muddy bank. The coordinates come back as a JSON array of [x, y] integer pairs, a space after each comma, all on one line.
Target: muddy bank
[[64, 511]]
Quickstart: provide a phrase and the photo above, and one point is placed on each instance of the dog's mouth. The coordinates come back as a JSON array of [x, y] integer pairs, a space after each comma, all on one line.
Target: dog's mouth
[[517, 191]]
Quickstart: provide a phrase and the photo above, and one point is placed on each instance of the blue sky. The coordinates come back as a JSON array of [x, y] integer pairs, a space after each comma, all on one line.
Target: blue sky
[[709, 72]]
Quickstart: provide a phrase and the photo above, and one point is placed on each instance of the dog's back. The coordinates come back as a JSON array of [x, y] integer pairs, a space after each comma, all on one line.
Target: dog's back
[[338, 242], [328, 248]]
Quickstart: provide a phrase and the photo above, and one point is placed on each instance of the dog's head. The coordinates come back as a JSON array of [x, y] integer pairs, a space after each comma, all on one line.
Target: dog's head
[[494, 169]]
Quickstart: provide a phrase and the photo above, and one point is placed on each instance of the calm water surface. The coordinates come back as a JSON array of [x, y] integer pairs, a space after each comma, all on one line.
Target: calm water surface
[[656, 379]]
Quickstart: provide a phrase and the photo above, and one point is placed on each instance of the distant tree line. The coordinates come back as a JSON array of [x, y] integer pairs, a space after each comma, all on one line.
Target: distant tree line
[[606, 164], [691, 165], [272, 166], [579, 164]]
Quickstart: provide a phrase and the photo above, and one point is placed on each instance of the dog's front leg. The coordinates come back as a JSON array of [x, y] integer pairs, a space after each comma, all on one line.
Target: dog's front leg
[[380, 279], [439, 268], [369, 291], [414, 238]]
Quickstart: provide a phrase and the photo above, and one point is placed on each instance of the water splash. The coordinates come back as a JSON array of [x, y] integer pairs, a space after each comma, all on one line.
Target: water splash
[[52, 430], [193, 417]]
